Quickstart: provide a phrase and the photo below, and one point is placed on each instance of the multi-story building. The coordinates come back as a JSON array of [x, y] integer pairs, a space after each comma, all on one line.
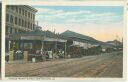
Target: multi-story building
[[20, 18]]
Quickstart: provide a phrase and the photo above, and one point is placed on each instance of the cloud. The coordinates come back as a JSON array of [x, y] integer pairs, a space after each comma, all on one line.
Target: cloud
[[82, 16], [100, 25]]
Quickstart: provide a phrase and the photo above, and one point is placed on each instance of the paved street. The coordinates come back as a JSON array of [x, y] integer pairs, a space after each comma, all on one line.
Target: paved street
[[104, 65]]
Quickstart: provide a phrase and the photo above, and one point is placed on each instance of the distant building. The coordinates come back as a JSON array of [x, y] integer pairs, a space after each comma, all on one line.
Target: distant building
[[20, 18], [114, 43], [80, 40], [81, 44]]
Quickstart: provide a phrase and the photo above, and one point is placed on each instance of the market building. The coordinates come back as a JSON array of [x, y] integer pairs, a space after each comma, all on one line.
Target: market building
[[79, 45], [38, 41]]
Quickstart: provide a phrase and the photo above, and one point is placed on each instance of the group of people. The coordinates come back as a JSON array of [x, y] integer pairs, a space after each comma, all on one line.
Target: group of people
[[17, 55], [39, 55], [42, 55]]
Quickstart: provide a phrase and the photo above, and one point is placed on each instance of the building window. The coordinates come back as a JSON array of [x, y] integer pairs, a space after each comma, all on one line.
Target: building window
[[28, 24], [33, 26], [10, 30], [16, 20], [23, 11], [17, 9], [7, 17], [19, 22], [20, 10], [6, 29], [28, 14], [25, 24], [33, 17], [11, 19], [13, 31], [22, 23], [12, 7]]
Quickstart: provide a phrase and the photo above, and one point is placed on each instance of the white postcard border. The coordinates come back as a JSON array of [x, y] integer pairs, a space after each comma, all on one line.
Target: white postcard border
[[86, 3]]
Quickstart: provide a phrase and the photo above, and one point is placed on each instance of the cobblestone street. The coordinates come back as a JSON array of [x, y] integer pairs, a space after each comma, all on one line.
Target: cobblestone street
[[104, 65]]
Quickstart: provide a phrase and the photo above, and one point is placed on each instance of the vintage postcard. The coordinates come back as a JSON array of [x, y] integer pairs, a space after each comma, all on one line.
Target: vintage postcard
[[71, 41], [64, 41]]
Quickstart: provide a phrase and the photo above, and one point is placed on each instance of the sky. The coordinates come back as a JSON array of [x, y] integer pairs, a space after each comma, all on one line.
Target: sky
[[103, 23]]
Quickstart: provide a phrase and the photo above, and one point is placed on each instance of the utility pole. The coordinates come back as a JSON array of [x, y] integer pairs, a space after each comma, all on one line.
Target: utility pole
[[55, 40], [87, 48], [65, 49]]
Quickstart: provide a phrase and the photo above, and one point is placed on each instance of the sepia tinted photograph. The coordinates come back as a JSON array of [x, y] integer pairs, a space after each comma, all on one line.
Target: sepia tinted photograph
[[64, 41]]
